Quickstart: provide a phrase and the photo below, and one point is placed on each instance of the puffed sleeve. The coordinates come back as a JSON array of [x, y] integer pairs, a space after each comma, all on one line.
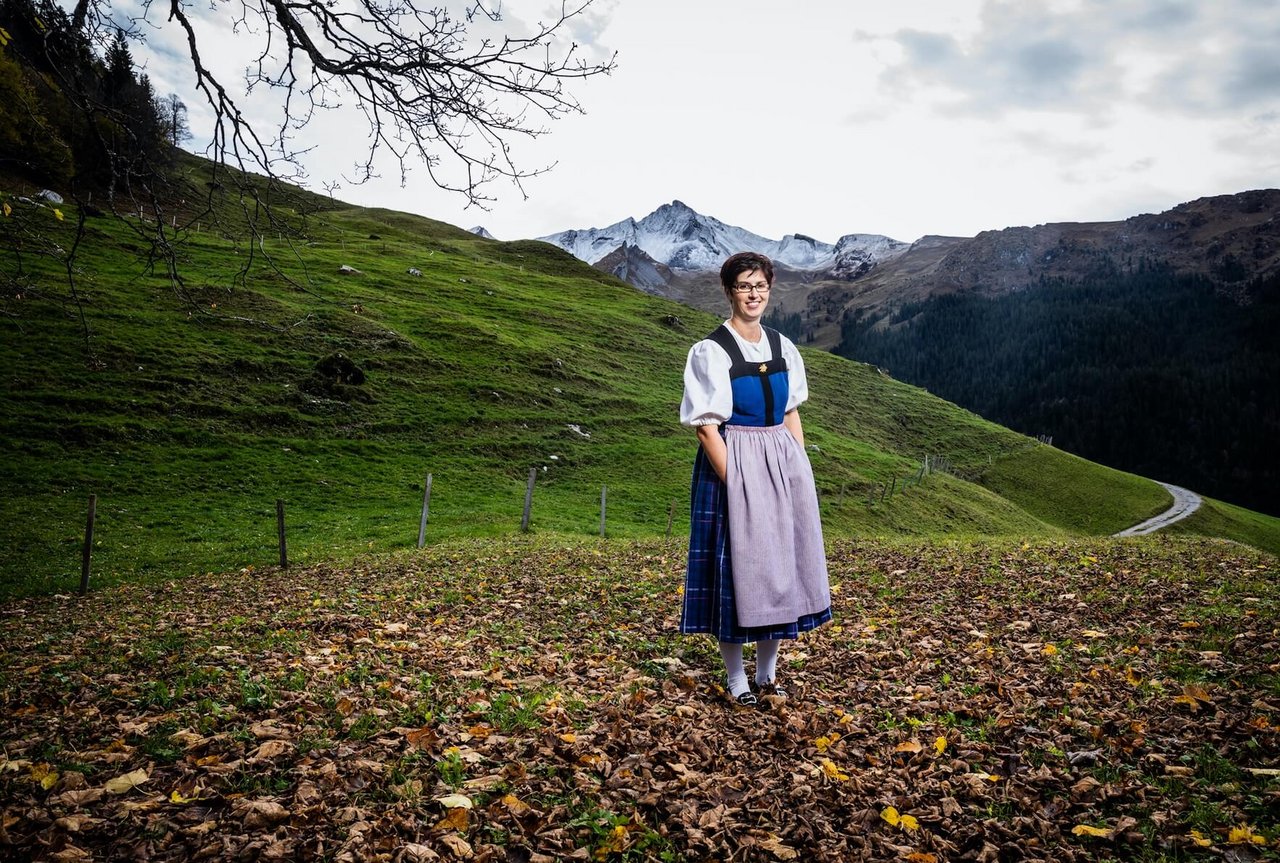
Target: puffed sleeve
[[797, 381], [708, 395]]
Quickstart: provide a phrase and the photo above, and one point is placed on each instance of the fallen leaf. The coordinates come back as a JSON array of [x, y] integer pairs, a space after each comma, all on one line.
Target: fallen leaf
[[775, 847], [1089, 830], [455, 801], [911, 746], [1245, 835], [126, 782], [940, 745]]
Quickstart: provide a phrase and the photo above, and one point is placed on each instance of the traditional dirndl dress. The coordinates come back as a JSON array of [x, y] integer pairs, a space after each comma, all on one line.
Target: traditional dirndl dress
[[773, 584]]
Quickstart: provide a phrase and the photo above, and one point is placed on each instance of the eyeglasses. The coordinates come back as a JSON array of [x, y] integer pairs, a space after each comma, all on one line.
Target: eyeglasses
[[744, 288]]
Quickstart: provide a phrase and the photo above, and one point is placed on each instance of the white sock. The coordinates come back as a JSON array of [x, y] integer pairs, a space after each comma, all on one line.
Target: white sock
[[732, 655], [767, 661]]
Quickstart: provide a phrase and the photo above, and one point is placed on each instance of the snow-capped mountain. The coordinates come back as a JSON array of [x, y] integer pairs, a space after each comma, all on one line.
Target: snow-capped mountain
[[479, 231], [683, 239]]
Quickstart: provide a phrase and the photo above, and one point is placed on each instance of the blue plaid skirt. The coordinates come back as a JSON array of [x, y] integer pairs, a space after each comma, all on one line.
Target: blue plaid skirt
[[708, 586]]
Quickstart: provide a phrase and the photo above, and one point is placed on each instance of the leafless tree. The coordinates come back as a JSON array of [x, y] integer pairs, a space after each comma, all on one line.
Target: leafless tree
[[433, 92], [173, 117]]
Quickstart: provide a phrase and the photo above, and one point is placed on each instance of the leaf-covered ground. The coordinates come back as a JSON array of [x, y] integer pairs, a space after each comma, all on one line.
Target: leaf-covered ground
[[526, 700]]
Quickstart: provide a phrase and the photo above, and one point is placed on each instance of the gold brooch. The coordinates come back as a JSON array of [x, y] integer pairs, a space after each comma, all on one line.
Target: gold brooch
[[763, 368]]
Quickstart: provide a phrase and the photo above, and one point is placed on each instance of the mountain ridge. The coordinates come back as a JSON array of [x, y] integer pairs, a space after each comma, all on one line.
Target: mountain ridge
[[1229, 238]]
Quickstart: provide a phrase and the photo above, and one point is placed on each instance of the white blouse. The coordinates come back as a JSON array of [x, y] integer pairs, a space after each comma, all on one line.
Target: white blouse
[[708, 395]]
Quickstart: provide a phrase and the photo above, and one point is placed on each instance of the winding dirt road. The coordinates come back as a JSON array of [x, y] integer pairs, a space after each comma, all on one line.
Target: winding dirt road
[[1184, 503]]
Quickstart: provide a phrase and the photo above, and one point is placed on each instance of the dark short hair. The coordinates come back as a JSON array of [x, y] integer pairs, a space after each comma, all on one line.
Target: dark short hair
[[744, 262]]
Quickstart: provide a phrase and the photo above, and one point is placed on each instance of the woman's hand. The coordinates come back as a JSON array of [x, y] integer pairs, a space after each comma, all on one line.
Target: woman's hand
[[792, 422], [713, 445]]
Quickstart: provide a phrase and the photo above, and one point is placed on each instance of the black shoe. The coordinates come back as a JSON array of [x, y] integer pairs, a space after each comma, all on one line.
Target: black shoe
[[748, 699], [773, 690]]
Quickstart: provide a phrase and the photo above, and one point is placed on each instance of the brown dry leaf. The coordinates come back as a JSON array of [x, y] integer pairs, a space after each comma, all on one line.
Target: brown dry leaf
[[457, 846], [270, 749], [260, 813], [82, 797], [913, 746], [455, 819], [775, 847], [126, 782], [422, 738], [414, 852], [921, 857]]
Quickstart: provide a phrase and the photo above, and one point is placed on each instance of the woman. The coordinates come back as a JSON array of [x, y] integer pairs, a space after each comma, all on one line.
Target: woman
[[757, 571]]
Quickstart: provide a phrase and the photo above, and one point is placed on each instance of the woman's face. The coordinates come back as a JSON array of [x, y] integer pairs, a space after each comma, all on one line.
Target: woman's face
[[750, 305]]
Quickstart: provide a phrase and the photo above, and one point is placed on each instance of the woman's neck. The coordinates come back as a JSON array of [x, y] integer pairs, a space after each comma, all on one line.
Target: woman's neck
[[749, 330]]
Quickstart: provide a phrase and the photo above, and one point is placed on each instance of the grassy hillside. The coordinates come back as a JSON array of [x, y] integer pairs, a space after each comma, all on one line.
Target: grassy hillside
[[193, 405], [1215, 518]]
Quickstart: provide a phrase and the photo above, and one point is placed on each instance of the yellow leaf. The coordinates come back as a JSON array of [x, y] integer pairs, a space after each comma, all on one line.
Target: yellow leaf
[[890, 815], [569, 737], [1093, 633], [8, 211], [455, 801], [833, 772], [44, 774], [1086, 830], [514, 804], [1187, 700], [912, 746], [1198, 838], [1131, 676], [940, 745], [909, 822], [1050, 650], [1243, 834], [57, 214], [128, 781], [825, 741], [177, 796]]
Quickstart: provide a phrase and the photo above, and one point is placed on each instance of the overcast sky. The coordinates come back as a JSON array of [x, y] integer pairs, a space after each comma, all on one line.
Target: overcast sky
[[828, 117]]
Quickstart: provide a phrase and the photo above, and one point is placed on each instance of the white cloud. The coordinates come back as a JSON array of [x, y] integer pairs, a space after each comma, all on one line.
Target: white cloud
[[828, 117]]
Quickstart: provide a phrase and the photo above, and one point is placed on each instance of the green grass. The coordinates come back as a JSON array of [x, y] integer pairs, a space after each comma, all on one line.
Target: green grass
[[1076, 495], [193, 406], [1215, 518]]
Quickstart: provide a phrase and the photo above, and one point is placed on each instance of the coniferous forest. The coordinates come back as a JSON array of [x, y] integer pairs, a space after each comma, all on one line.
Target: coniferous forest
[[74, 117], [1166, 376]]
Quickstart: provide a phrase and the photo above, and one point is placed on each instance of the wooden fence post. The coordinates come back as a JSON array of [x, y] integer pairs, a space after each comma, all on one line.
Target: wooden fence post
[[87, 555], [604, 491], [893, 487], [528, 500], [284, 552], [671, 514], [426, 506]]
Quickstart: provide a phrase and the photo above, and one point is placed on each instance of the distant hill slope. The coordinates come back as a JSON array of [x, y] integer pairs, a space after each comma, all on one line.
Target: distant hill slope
[[1231, 240], [266, 374]]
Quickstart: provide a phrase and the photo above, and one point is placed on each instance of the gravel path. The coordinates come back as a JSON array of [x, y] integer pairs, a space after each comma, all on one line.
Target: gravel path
[[1184, 503]]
